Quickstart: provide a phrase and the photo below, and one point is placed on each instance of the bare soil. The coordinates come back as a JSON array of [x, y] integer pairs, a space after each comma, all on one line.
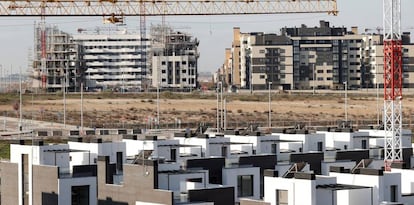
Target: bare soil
[[141, 111]]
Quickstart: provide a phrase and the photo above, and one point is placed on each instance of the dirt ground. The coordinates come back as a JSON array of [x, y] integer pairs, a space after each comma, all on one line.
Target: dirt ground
[[142, 112]]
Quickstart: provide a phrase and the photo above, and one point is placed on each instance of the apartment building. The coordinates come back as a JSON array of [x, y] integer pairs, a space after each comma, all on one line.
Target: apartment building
[[322, 57], [174, 59], [112, 59]]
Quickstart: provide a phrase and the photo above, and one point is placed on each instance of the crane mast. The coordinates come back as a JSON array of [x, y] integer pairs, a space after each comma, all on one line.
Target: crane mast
[[43, 71], [392, 82]]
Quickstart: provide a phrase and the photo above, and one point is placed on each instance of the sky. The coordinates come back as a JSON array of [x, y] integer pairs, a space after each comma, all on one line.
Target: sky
[[215, 33]]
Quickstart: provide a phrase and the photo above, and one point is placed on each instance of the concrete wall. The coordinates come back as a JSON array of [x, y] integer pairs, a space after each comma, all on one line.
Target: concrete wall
[[407, 180], [300, 192], [353, 196], [176, 182], [45, 180], [9, 183], [230, 179], [381, 184], [65, 189], [138, 186]]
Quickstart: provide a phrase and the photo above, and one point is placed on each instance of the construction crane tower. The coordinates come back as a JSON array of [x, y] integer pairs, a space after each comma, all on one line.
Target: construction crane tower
[[43, 71], [392, 82]]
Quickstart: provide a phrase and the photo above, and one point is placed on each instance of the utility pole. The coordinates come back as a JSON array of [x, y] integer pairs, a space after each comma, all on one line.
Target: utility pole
[[270, 105], [218, 115], [314, 76], [81, 108], [346, 101], [221, 106], [377, 86]]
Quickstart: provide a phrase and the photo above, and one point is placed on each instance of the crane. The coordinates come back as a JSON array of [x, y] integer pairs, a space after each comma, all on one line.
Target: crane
[[392, 83], [162, 7]]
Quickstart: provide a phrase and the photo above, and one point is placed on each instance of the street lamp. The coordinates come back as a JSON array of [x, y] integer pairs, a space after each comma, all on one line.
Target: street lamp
[[218, 114], [346, 99], [377, 85], [270, 105], [314, 76]]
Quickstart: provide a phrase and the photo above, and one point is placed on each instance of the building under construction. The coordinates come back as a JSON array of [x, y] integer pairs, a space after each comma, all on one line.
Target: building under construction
[[174, 59], [60, 70]]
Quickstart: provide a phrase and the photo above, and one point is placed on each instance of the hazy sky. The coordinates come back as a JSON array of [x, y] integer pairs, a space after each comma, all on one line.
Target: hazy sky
[[214, 32]]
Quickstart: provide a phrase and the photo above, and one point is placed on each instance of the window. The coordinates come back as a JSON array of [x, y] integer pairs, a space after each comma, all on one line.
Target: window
[[224, 151], [173, 153], [393, 190], [244, 185], [80, 195], [262, 51], [320, 146], [119, 161], [262, 76], [281, 197], [364, 144], [274, 148]]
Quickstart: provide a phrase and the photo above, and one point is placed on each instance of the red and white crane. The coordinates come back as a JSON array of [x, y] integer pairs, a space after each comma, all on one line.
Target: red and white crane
[[393, 79]]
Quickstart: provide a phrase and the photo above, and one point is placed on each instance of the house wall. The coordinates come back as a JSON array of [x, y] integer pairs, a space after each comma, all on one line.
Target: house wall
[[139, 185], [178, 182], [353, 196], [300, 192], [95, 149], [407, 180], [65, 189], [230, 179], [381, 184], [45, 180], [9, 183]]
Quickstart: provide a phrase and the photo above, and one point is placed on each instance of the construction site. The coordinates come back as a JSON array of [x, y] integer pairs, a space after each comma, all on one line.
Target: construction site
[[138, 141]]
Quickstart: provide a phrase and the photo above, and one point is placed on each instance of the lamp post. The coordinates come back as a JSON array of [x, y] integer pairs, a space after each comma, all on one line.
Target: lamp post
[[270, 105], [218, 115], [377, 85], [346, 99], [314, 76]]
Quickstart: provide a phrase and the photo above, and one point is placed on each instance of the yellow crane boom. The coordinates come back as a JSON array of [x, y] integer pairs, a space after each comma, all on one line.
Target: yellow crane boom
[[162, 7]]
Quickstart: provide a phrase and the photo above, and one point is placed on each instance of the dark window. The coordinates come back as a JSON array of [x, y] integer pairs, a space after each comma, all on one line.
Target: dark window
[[244, 185], [274, 148], [320, 145], [80, 195], [198, 180], [224, 151], [173, 155], [364, 144], [393, 190], [119, 161]]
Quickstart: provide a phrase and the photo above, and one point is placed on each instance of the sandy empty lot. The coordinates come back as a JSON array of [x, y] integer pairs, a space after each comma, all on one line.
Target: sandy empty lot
[[112, 112]]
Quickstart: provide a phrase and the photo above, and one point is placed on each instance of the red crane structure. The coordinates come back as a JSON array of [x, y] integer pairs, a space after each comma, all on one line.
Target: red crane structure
[[392, 82]]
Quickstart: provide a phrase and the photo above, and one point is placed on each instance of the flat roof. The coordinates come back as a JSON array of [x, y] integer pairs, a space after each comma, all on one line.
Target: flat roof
[[335, 187], [65, 150], [279, 141]]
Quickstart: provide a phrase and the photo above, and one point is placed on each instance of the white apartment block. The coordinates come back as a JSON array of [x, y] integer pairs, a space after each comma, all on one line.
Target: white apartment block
[[114, 60]]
